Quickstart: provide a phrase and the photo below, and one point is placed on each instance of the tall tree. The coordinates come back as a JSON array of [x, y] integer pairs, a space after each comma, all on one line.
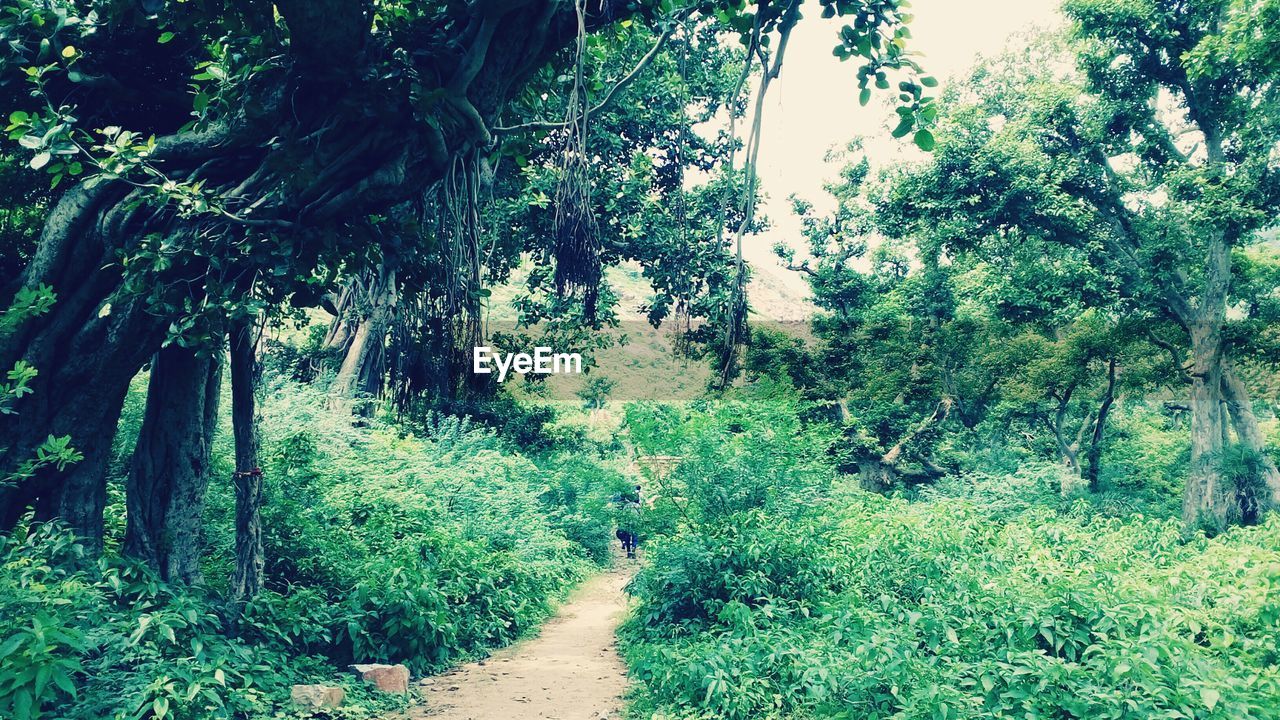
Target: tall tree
[[246, 372], [1153, 164]]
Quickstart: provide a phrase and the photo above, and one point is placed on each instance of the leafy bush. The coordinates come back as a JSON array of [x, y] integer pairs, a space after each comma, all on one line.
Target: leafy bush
[[416, 548], [943, 611], [382, 546], [90, 641]]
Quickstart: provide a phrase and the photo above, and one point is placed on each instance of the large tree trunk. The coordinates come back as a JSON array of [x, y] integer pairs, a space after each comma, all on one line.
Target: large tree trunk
[[246, 578], [170, 471], [1208, 501], [368, 321], [86, 349]]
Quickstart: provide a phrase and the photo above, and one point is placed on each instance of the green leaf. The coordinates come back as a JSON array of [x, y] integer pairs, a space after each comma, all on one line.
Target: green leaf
[[929, 81], [924, 140], [40, 160], [1210, 697], [164, 37]]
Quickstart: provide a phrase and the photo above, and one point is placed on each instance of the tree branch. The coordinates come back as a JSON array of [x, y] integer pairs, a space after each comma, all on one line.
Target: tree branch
[[604, 102]]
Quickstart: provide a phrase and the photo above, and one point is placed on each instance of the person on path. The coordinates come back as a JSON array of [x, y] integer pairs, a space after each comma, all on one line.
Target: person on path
[[629, 522]]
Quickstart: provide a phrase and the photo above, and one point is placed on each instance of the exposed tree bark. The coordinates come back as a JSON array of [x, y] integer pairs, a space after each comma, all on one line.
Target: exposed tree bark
[[87, 349], [1250, 435], [1068, 450], [881, 474], [1208, 500], [368, 321], [246, 577], [170, 471], [1093, 456]]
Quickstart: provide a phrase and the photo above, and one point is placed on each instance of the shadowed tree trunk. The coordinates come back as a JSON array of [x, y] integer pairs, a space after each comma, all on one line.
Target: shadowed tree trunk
[[170, 472], [86, 349], [1093, 456], [246, 578]]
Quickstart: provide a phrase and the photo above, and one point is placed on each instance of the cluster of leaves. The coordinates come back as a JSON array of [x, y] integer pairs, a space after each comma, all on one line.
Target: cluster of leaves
[[959, 605], [741, 452], [383, 546], [420, 547]]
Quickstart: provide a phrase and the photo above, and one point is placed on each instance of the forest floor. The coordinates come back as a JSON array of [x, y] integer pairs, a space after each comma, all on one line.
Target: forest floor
[[570, 671]]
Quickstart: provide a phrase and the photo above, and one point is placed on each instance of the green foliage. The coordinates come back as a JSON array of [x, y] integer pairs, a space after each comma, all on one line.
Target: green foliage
[[108, 640], [595, 393], [450, 542], [942, 609], [382, 546], [736, 453]]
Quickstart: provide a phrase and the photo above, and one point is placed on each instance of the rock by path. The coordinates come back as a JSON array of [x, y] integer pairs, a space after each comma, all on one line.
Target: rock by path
[[570, 671]]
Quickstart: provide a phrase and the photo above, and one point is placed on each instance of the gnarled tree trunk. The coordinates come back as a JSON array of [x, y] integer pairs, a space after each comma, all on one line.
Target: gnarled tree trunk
[[365, 323], [881, 474], [170, 471], [86, 349]]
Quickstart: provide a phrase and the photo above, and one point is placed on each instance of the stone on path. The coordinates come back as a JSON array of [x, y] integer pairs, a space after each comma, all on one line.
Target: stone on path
[[317, 696], [386, 678]]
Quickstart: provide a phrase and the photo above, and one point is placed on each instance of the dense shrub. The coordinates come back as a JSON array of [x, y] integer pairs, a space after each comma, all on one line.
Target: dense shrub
[[382, 545], [943, 610], [108, 640], [432, 546]]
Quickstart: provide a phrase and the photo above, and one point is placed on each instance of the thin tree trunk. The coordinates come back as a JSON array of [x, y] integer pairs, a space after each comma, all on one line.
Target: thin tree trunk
[[246, 578], [170, 472], [1093, 456]]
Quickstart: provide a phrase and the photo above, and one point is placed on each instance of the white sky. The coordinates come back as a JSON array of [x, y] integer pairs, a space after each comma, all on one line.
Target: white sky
[[813, 105]]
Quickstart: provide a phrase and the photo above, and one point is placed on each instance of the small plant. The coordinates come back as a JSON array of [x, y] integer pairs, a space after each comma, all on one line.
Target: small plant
[[595, 393]]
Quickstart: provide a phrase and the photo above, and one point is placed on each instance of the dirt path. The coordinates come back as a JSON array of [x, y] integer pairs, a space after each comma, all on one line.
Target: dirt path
[[570, 671]]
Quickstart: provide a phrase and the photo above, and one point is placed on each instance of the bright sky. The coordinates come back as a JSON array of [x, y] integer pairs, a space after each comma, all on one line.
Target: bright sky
[[813, 105]]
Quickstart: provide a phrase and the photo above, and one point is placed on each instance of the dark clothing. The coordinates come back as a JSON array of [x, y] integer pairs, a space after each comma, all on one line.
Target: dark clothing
[[629, 541]]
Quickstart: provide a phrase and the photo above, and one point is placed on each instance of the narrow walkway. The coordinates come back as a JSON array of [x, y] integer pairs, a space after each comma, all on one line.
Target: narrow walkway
[[570, 671]]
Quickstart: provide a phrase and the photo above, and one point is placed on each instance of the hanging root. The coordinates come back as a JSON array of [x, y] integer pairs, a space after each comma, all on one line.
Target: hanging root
[[577, 248]]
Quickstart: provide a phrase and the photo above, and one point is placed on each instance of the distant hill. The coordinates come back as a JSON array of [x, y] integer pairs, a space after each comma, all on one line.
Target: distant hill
[[647, 367]]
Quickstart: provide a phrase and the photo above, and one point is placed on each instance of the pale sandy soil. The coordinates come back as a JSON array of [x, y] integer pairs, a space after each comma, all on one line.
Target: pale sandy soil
[[570, 671]]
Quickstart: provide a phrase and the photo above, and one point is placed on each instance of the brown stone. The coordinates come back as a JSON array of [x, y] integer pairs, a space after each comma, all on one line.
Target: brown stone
[[386, 678], [317, 696]]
